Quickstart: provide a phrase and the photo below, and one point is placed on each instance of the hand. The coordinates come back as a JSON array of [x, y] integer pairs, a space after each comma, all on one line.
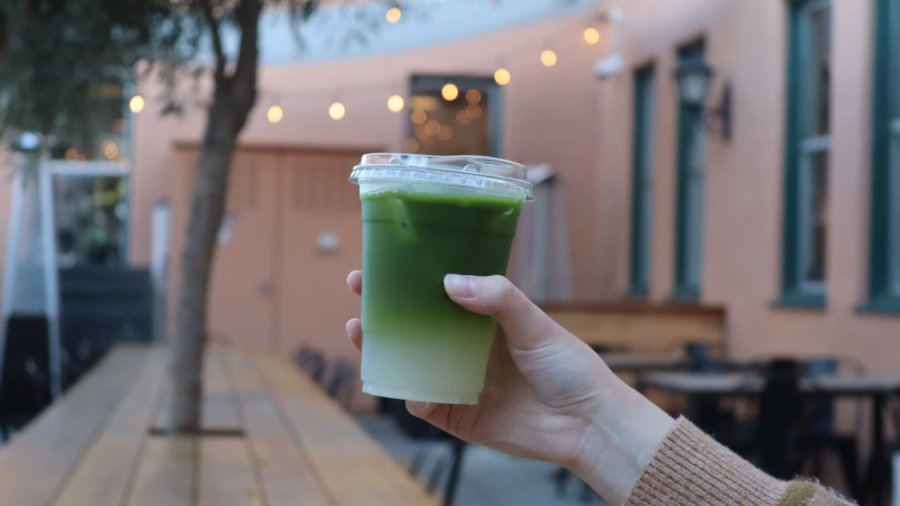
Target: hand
[[547, 395]]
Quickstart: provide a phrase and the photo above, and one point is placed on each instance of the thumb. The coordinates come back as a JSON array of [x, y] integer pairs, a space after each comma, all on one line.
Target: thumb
[[525, 325]]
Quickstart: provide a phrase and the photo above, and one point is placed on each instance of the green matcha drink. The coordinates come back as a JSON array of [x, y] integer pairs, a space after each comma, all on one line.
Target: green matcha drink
[[424, 217]]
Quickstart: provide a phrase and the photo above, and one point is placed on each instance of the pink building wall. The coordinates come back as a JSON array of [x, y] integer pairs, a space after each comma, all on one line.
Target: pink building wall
[[745, 43], [549, 115]]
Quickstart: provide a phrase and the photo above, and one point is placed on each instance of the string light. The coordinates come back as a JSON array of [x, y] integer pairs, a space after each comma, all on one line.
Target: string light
[[502, 76], [445, 133], [337, 110], [395, 103], [136, 104], [591, 35], [410, 145], [548, 57], [432, 127], [449, 92], [473, 96], [275, 114], [474, 110], [418, 116], [110, 149], [463, 117], [393, 14]]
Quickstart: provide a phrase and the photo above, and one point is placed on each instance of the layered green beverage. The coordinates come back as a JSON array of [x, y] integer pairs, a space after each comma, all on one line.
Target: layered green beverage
[[417, 343]]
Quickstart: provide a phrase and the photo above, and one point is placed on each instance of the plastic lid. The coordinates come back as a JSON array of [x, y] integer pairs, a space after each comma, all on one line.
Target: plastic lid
[[483, 172]]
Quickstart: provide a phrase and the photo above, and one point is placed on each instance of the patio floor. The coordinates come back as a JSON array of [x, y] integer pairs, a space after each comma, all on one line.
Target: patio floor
[[488, 478]]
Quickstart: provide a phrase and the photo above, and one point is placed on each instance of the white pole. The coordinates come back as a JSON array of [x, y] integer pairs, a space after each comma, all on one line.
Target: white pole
[[895, 487], [51, 277], [12, 252]]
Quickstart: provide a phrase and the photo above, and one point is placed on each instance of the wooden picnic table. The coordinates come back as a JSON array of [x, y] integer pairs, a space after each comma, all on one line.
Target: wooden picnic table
[[271, 437]]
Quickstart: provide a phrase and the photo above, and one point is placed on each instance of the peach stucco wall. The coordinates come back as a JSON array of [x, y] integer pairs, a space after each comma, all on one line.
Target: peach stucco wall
[[745, 43], [549, 115]]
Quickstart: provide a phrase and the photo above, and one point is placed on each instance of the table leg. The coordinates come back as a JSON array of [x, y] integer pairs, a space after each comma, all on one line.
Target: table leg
[[874, 475]]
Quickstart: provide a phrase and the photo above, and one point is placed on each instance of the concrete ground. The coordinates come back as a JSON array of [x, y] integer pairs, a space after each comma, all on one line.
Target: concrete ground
[[488, 478]]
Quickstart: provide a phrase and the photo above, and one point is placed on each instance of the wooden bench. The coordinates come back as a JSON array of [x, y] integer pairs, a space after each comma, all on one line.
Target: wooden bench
[[643, 327], [271, 438]]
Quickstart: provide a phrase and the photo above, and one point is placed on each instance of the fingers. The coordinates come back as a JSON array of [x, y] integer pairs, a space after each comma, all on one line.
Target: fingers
[[526, 326], [354, 281], [354, 332], [433, 413]]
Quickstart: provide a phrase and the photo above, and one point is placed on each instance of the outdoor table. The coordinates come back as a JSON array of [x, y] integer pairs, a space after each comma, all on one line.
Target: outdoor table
[[270, 437], [878, 387], [638, 362]]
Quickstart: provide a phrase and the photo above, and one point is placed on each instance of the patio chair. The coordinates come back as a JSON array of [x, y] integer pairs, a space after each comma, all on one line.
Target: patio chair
[[312, 362], [341, 382], [819, 435], [448, 464], [770, 441]]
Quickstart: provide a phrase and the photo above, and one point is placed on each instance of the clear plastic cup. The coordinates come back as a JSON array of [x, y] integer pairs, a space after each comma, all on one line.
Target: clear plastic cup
[[424, 217]]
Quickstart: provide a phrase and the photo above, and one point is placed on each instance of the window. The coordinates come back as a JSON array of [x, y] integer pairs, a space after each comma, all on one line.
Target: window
[[690, 193], [884, 268], [448, 122], [642, 182], [807, 154]]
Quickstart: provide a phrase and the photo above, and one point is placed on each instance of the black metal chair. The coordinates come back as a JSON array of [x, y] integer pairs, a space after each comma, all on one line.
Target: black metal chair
[[819, 435], [340, 383], [446, 467], [312, 362]]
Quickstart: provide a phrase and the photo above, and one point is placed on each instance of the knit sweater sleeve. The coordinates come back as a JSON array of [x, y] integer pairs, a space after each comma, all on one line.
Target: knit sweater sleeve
[[691, 468]]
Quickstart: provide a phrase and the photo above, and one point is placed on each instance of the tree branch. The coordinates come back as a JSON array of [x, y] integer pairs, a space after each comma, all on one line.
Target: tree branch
[[247, 14], [213, 23]]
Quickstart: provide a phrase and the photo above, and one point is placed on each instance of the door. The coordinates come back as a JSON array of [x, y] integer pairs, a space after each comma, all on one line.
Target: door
[[290, 234]]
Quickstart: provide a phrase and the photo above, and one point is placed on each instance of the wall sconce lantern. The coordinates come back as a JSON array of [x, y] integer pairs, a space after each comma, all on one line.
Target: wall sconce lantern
[[694, 78]]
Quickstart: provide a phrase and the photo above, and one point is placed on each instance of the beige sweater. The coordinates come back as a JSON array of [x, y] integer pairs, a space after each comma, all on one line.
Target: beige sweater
[[691, 469]]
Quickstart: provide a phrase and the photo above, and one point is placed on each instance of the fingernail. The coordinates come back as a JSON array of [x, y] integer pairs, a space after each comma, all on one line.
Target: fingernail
[[418, 408], [460, 286]]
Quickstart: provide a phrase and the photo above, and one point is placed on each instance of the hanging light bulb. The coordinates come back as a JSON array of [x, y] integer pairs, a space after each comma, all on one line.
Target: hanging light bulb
[[393, 14], [275, 114], [136, 104], [337, 110], [591, 35], [395, 103], [548, 57], [449, 92], [502, 76], [473, 96]]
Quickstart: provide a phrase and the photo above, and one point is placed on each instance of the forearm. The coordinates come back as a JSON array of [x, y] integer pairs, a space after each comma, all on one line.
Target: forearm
[[635, 454], [620, 440]]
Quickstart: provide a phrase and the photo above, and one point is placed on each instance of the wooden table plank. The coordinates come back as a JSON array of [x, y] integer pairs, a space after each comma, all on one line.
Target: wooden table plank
[[353, 468], [36, 463], [219, 411], [284, 473], [104, 473], [166, 474], [226, 474]]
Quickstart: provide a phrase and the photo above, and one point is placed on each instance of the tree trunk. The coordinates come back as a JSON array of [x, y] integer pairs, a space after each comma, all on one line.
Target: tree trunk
[[233, 99]]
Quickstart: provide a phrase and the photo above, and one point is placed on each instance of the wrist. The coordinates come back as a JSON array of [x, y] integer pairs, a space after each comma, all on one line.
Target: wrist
[[619, 440]]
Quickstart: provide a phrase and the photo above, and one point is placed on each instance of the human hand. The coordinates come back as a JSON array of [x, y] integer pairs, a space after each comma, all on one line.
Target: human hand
[[547, 395]]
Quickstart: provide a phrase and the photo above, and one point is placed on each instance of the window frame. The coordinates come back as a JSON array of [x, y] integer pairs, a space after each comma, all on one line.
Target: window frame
[[802, 143], [690, 124], [485, 84], [884, 289], [642, 170]]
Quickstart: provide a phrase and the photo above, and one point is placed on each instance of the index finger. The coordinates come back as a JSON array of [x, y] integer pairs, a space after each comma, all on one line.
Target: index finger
[[354, 281]]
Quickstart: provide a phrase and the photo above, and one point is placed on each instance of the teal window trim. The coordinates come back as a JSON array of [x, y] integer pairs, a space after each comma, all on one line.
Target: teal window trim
[[882, 298], [685, 289], [641, 197], [793, 294]]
